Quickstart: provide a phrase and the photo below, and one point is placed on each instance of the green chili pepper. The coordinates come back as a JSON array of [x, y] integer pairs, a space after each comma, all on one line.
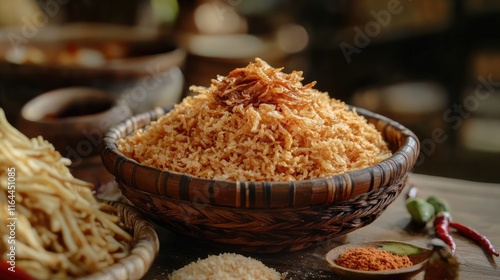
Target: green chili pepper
[[440, 205], [420, 210]]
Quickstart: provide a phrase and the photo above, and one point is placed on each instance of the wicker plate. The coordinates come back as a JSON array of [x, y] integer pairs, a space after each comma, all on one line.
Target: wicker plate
[[145, 247], [263, 216]]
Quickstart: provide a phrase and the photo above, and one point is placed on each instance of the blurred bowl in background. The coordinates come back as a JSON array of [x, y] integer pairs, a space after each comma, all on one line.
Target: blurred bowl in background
[[480, 134], [74, 120], [405, 101], [210, 55], [479, 128], [417, 105], [89, 46], [141, 61]]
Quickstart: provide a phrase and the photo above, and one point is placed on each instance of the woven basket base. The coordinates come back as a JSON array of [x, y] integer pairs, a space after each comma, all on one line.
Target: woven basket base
[[264, 230]]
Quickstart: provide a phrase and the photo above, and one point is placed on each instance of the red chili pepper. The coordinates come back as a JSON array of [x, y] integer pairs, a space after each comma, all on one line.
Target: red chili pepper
[[442, 227], [7, 274], [475, 236]]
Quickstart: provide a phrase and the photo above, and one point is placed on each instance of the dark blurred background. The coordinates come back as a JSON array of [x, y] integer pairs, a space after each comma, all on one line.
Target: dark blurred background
[[433, 65]]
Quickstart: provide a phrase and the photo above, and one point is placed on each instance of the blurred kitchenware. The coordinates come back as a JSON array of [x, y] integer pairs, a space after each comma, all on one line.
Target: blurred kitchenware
[[74, 121], [418, 106], [217, 54], [143, 62]]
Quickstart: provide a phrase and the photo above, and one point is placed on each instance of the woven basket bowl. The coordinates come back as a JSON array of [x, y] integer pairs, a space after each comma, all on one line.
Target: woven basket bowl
[[263, 216], [145, 247]]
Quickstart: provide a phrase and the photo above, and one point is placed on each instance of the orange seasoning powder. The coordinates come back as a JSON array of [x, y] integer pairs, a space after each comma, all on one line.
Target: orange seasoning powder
[[371, 259]]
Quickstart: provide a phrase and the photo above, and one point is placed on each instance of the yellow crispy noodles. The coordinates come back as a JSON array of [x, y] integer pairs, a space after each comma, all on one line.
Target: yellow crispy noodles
[[58, 230]]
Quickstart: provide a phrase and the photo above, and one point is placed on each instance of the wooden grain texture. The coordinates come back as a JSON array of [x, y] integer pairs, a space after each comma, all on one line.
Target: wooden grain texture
[[475, 204]]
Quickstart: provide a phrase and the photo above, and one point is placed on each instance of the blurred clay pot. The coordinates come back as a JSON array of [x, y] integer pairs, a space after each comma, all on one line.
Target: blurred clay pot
[[74, 121]]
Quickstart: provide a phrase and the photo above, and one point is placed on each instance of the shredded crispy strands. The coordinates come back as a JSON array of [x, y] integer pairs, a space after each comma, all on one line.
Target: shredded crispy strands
[[371, 259], [61, 231], [258, 124], [258, 84]]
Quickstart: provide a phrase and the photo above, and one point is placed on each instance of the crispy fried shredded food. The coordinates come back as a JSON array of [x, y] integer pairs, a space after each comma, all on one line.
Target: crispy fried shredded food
[[372, 259], [57, 230], [259, 124]]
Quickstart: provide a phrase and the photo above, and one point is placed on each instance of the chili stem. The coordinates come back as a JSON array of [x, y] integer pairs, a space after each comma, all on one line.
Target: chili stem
[[412, 192]]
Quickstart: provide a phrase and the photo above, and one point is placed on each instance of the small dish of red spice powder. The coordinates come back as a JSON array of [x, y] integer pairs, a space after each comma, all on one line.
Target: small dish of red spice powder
[[377, 260], [369, 258]]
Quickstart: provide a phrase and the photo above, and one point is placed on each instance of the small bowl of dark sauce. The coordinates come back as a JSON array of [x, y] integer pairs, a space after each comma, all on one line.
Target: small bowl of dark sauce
[[74, 120]]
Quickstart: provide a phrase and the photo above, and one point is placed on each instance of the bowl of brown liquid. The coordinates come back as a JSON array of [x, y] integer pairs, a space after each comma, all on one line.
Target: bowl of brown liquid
[[74, 120]]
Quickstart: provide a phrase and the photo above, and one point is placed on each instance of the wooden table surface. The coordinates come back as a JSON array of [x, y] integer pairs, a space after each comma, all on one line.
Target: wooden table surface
[[472, 203]]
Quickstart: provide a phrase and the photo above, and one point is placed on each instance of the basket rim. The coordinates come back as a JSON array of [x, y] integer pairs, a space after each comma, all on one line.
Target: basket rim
[[144, 248], [323, 190]]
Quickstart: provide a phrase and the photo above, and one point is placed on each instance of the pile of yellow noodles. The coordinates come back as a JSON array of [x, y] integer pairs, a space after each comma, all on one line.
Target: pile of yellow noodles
[[61, 231]]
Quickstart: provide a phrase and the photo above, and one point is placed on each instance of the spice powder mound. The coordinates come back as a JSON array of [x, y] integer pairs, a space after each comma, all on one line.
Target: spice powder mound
[[371, 259]]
